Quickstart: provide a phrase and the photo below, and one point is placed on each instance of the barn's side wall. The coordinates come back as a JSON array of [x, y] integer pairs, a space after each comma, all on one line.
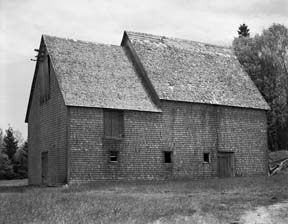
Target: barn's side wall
[[187, 129], [47, 133]]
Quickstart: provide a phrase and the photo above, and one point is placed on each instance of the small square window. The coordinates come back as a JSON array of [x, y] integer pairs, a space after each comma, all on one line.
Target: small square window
[[114, 156], [167, 157], [206, 157]]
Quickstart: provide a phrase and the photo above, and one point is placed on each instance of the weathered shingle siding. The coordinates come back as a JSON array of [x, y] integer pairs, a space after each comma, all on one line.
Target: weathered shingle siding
[[187, 129], [87, 159], [197, 128], [89, 151], [34, 158], [244, 132], [141, 156], [53, 131], [47, 133], [190, 130]]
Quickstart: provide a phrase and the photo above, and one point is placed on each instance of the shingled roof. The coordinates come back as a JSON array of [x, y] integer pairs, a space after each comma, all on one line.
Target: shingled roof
[[182, 70], [97, 75]]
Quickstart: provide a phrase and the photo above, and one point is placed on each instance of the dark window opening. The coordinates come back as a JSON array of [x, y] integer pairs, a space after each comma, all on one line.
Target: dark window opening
[[114, 156], [167, 157], [206, 157], [113, 123]]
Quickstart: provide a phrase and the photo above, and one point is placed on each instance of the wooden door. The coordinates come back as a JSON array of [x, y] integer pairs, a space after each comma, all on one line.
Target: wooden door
[[225, 164], [44, 167]]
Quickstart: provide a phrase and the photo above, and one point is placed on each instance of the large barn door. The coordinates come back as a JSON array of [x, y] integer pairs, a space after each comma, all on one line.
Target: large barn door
[[44, 167], [225, 164]]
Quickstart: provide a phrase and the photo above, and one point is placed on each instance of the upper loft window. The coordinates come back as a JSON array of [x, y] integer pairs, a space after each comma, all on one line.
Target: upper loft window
[[113, 123], [45, 78]]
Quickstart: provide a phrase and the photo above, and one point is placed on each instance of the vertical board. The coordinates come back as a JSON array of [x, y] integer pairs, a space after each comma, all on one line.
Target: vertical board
[[44, 167], [113, 123], [224, 164], [107, 123], [117, 124]]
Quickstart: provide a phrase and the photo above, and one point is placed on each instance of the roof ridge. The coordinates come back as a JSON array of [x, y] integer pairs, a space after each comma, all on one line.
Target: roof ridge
[[78, 40], [159, 37]]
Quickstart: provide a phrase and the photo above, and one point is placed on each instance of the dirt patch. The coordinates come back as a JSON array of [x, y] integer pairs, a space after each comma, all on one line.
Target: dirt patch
[[198, 217], [277, 213]]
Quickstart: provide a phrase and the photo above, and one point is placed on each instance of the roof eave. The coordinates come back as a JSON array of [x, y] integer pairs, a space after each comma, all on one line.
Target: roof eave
[[158, 110], [33, 83]]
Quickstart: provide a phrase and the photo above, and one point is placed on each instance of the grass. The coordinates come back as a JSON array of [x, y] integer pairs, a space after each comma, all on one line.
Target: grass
[[210, 201]]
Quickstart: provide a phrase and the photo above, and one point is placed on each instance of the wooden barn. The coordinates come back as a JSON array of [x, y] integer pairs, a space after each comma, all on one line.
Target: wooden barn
[[152, 108]]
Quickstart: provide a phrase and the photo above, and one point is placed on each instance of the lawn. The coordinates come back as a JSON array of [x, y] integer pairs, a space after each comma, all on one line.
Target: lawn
[[236, 200]]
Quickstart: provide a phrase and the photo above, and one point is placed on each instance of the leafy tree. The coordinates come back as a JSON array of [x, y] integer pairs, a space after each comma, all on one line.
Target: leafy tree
[[265, 59], [243, 30], [10, 144]]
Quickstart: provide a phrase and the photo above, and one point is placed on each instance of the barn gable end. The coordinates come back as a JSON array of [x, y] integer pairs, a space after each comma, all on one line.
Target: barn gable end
[[47, 125]]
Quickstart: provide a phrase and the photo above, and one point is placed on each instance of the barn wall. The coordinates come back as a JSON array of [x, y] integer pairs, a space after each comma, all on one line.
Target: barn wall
[[244, 132], [86, 158], [47, 132], [34, 158], [197, 128], [89, 150], [190, 130], [187, 129]]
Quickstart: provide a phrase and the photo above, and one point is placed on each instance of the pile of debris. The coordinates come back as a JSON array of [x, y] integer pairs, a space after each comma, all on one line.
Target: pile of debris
[[278, 162]]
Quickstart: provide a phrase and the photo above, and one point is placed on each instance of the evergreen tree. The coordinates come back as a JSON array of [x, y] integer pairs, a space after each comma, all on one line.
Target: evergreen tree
[[243, 30], [10, 144], [25, 147], [6, 168], [1, 140], [24, 156], [20, 164]]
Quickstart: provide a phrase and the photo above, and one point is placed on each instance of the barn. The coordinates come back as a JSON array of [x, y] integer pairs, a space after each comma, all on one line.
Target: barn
[[152, 108]]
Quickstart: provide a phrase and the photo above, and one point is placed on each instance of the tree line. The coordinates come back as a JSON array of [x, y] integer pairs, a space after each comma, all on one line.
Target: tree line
[[265, 59], [13, 158]]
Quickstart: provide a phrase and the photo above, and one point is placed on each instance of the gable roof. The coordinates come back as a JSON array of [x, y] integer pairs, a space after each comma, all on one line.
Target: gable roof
[[182, 70], [96, 75]]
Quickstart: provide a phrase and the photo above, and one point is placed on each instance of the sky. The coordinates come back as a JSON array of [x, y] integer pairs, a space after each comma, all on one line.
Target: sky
[[22, 22]]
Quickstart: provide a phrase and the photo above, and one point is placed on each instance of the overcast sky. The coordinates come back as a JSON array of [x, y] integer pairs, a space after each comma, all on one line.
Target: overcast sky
[[23, 21]]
